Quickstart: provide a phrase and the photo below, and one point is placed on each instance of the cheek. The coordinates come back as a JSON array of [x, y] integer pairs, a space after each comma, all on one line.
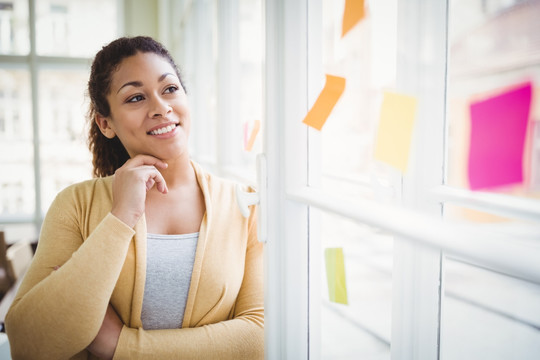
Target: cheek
[[183, 111], [126, 122]]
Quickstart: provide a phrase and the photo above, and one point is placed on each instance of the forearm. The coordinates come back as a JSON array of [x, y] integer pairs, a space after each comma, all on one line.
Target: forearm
[[104, 345], [237, 339], [60, 314]]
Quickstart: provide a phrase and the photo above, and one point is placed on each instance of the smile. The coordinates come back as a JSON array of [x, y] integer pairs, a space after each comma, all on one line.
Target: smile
[[163, 130]]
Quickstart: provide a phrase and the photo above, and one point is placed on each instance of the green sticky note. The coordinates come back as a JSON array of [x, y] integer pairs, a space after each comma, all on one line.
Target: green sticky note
[[335, 275]]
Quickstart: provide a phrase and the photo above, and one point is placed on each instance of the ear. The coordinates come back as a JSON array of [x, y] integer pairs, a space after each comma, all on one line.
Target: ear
[[104, 124]]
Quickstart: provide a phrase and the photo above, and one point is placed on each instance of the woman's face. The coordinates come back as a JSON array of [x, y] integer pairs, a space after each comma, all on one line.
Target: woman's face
[[149, 108]]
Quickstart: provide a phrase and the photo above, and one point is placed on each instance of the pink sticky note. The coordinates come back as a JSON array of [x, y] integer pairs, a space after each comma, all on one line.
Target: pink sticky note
[[498, 127]]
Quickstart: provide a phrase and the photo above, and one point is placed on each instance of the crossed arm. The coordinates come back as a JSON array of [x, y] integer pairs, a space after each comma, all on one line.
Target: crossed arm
[[60, 313], [62, 308]]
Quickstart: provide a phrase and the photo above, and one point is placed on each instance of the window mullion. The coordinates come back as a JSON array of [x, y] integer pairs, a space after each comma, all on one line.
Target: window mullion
[[38, 217], [417, 281], [285, 146], [493, 203]]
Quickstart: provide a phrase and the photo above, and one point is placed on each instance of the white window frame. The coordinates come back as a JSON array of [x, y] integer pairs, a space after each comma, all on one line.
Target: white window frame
[[418, 251], [285, 147]]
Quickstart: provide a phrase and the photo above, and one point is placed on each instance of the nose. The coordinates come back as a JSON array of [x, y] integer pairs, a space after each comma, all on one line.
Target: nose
[[159, 107]]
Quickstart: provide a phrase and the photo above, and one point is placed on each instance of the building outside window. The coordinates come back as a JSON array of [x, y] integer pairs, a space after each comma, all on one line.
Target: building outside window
[[46, 49]]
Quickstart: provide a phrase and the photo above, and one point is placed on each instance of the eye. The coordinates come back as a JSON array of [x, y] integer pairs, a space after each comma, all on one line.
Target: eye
[[135, 99], [171, 89]]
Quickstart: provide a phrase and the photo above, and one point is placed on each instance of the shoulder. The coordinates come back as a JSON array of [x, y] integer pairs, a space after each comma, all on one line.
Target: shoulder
[[79, 202], [214, 183], [225, 191], [86, 191]]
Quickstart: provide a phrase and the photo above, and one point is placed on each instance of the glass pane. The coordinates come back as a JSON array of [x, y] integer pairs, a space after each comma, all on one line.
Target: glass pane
[[65, 157], [359, 329], [14, 31], [366, 58], [198, 61], [17, 195], [250, 81], [493, 51], [76, 28], [486, 315]]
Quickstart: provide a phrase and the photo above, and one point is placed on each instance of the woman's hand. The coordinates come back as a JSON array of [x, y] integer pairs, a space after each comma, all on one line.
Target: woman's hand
[[130, 184], [104, 345]]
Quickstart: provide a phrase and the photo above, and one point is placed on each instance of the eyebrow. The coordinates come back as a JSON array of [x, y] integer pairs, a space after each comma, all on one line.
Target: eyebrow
[[139, 84]]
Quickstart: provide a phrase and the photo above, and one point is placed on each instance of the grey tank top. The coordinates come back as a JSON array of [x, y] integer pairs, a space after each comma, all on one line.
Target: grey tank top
[[169, 265]]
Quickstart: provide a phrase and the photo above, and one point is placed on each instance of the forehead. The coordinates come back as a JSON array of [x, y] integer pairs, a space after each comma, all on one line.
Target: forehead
[[139, 67]]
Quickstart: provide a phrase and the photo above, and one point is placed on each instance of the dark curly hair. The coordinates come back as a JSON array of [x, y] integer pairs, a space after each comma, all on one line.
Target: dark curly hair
[[110, 154]]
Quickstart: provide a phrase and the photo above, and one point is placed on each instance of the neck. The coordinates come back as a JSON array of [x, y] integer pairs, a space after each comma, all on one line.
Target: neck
[[178, 173]]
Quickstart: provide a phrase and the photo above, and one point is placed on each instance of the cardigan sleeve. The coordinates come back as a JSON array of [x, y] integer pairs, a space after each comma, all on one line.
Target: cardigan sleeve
[[57, 314], [241, 337]]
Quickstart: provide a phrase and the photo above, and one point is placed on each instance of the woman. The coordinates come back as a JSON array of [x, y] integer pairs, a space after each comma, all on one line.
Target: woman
[[152, 259]]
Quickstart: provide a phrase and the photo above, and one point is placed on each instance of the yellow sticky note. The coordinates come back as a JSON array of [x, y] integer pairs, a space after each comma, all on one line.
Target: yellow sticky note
[[352, 14], [335, 275], [396, 123], [329, 96], [253, 135]]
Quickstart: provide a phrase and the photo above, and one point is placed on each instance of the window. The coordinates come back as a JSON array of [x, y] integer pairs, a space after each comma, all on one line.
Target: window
[[45, 50], [459, 264], [343, 165], [69, 28], [14, 30], [198, 61], [222, 59], [16, 135], [491, 52], [492, 49], [65, 158]]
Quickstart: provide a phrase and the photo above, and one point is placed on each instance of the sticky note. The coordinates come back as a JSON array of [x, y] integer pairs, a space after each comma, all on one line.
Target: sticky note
[[498, 129], [352, 14], [246, 129], [253, 135], [329, 96], [396, 121], [335, 275]]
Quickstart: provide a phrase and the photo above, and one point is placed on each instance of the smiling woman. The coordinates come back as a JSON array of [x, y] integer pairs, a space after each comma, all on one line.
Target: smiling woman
[[145, 100], [140, 262]]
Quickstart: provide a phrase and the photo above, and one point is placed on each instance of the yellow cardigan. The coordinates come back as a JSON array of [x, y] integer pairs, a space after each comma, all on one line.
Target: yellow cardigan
[[56, 314]]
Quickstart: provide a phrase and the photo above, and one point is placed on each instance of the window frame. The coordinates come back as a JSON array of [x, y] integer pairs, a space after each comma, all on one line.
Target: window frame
[[35, 63], [419, 255]]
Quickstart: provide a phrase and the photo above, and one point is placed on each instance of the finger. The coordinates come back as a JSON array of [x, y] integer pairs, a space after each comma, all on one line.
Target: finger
[[149, 184], [160, 183], [154, 177]]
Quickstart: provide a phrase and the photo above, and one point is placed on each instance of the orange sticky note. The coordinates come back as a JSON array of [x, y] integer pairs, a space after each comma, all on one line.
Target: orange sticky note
[[246, 129], [253, 135], [394, 135], [352, 14], [329, 96]]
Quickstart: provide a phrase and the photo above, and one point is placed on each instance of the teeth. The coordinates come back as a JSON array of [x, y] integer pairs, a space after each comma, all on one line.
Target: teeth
[[163, 130]]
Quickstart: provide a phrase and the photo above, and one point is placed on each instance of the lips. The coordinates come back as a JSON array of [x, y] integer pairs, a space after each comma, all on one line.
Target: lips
[[162, 129]]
